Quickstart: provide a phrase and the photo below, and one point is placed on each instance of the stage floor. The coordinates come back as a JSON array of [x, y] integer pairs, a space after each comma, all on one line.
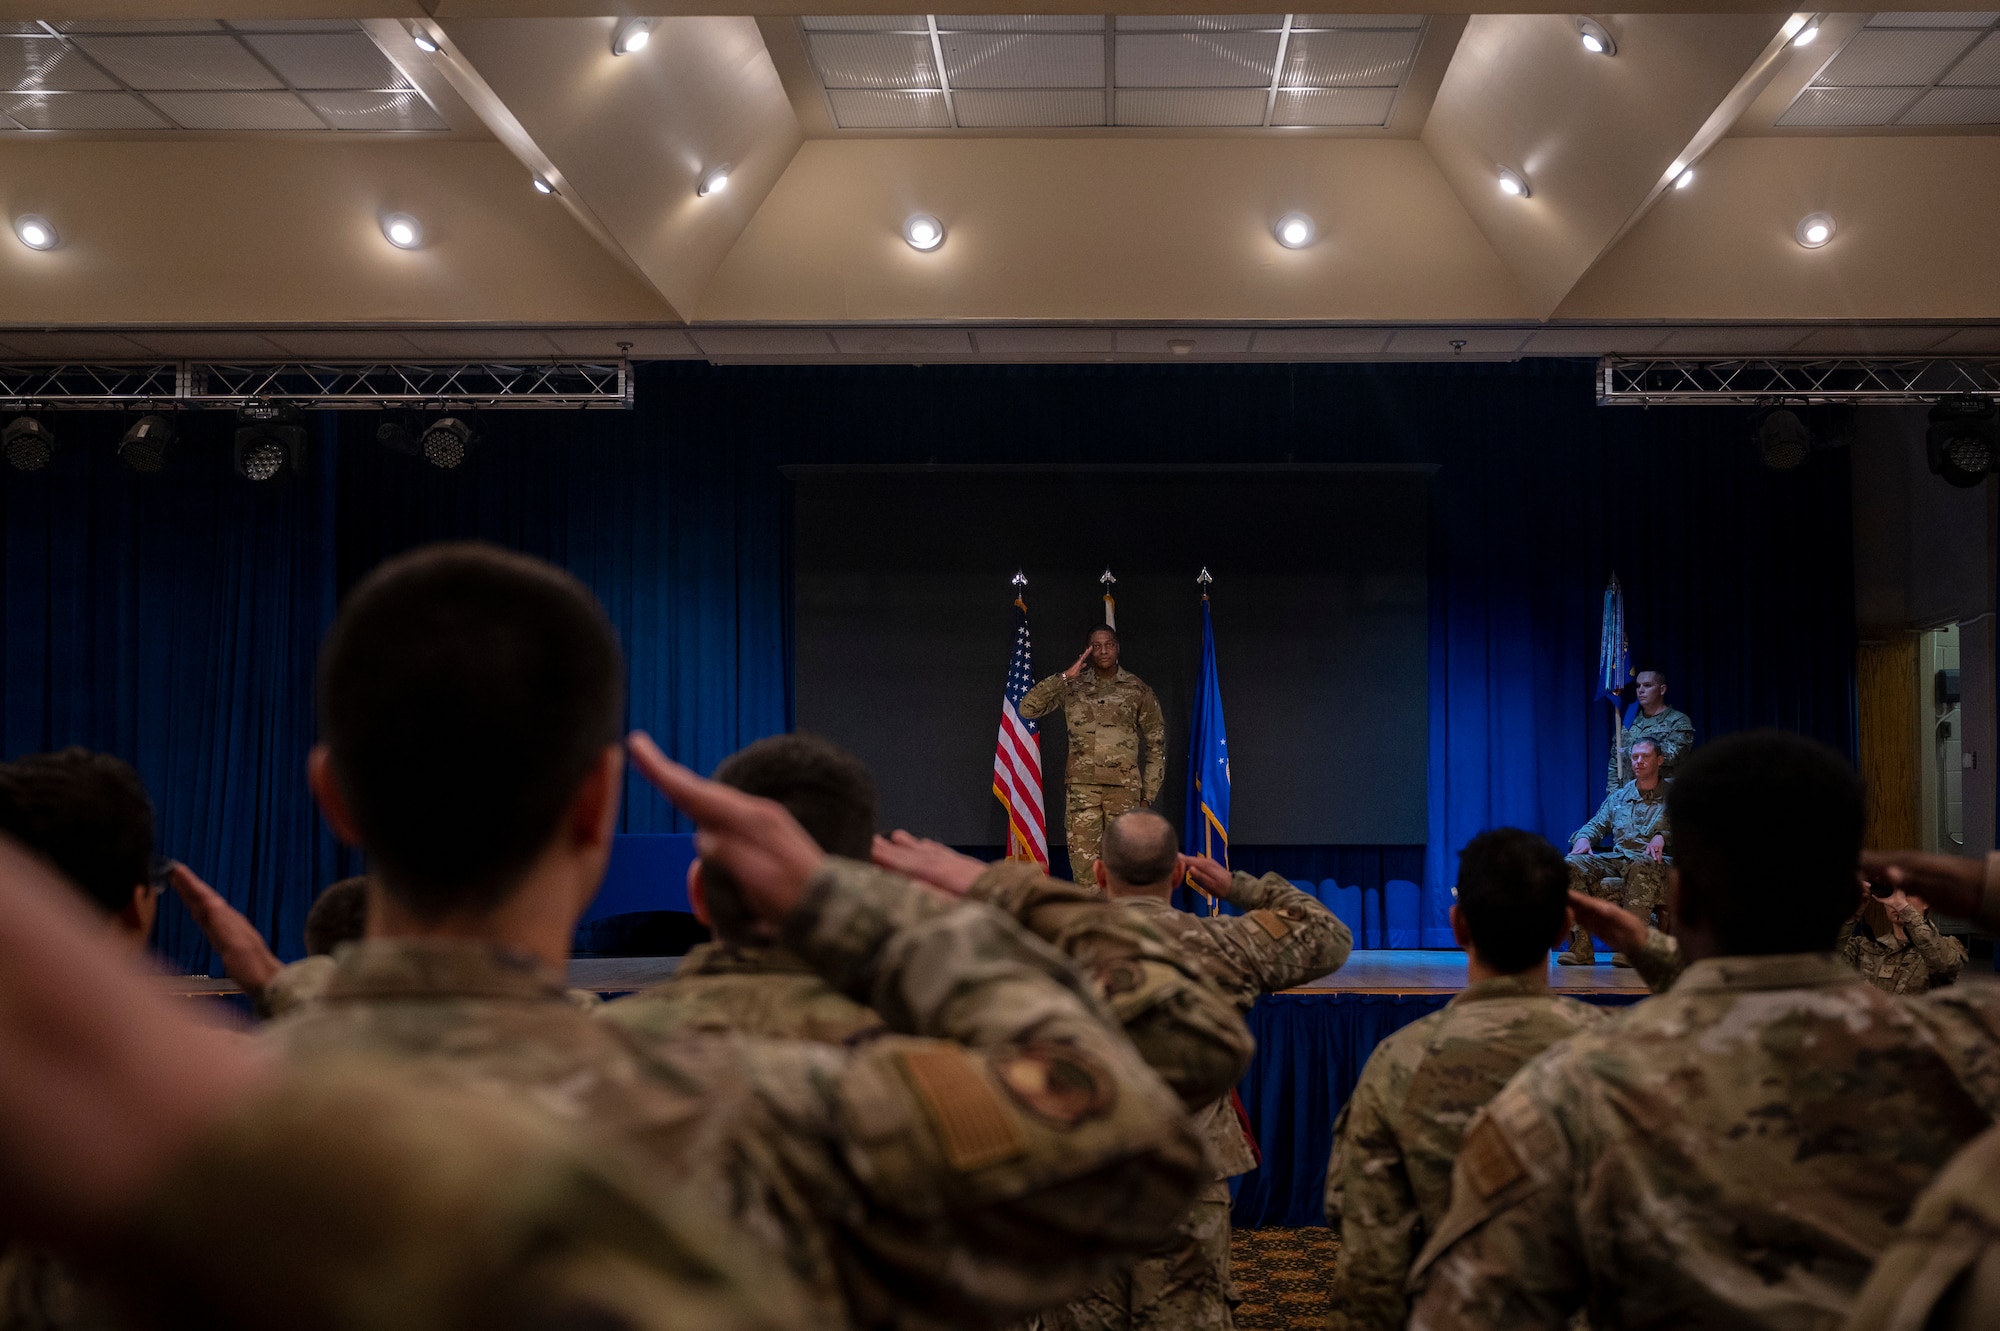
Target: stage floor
[[1383, 972]]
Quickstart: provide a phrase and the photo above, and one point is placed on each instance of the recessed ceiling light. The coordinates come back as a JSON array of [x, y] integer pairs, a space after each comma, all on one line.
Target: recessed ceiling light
[[35, 232], [632, 36], [1514, 183], [1596, 39], [1684, 179], [1807, 34], [403, 231], [1815, 230], [714, 181], [923, 231], [423, 41], [543, 187], [1294, 231]]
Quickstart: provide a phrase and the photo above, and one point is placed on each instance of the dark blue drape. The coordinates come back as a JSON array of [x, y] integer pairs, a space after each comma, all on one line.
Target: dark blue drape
[[173, 618]]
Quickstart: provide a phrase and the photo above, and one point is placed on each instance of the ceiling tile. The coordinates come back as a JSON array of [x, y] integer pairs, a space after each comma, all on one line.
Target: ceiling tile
[[1847, 106], [873, 60], [1023, 60], [1887, 57], [45, 64], [762, 341], [236, 110], [1045, 343], [1020, 22], [1955, 106], [1980, 66], [1218, 108], [1197, 60], [1965, 20], [328, 60], [1334, 106], [863, 23], [1352, 58], [406, 110], [1197, 22], [1207, 341], [81, 110], [137, 25], [855, 108], [1319, 341], [902, 342], [190, 63], [1356, 21], [1020, 110], [291, 24]]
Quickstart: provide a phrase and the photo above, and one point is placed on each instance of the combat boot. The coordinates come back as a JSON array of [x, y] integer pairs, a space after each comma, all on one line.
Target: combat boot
[[1582, 952]]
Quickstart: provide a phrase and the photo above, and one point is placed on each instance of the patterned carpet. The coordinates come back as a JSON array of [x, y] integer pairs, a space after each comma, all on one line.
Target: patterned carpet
[[1283, 1275]]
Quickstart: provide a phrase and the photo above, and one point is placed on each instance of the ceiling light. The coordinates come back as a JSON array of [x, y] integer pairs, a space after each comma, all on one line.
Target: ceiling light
[[423, 41], [27, 443], [35, 232], [447, 443], [269, 436], [403, 231], [1684, 179], [1807, 34], [716, 181], [144, 447], [1512, 182], [1181, 346], [1596, 39], [543, 186], [923, 231], [1294, 231], [1815, 230], [632, 36]]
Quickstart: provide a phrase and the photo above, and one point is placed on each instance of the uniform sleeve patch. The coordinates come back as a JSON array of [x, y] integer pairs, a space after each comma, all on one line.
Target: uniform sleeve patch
[[1275, 925], [1490, 1160], [973, 1123], [1057, 1086]]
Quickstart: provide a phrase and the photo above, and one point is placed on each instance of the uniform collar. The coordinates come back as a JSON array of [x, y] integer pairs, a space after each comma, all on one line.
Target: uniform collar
[[724, 959], [437, 968], [1095, 678], [1154, 904], [1787, 970], [1500, 986]]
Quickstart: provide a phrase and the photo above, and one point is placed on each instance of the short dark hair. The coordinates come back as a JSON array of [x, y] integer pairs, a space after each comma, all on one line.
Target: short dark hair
[[1647, 740], [1104, 628], [1649, 671], [464, 694], [87, 813], [1139, 848], [338, 915], [829, 790], [1513, 888], [1767, 838]]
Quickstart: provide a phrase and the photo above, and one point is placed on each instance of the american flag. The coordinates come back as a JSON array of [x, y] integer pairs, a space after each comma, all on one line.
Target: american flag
[[1017, 759]]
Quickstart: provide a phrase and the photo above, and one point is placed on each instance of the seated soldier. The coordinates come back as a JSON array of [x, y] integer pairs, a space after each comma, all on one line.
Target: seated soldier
[[1634, 819], [1893, 943], [1735, 1152], [1389, 1180], [470, 702]]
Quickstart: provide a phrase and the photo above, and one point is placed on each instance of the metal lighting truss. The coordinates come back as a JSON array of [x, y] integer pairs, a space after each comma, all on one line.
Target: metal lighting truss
[[1756, 382], [589, 385]]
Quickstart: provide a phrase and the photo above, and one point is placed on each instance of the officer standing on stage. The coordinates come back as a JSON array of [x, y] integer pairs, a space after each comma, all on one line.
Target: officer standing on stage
[[1670, 730], [1107, 710]]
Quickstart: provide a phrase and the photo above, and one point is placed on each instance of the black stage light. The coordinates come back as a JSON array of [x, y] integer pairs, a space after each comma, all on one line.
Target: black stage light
[[1963, 443], [28, 443], [269, 437], [144, 447], [448, 442], [396, 435], [1782, 439]]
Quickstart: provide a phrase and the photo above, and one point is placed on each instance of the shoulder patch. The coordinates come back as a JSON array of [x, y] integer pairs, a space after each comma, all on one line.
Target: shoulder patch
[[972, 1121], [1273, 924], [1058, 1086], [1490, 1160]]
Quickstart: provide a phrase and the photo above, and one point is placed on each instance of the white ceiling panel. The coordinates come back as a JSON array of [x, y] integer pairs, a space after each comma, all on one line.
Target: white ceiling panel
[[1023, 60], [1955, 106], [1333, 106], [191, 64], [1197, 60], [403, 109], [81, 110], [1043, 109], [1847, 106], [863, 23], [328, 60], [873, 60], [856, 108], [1198, 22], [1356, 21], [1354, 58], [236, 110], [1214, 108], [1020, 22], [1981, 66], [30, 64], [1968, 19], [1881, 57]]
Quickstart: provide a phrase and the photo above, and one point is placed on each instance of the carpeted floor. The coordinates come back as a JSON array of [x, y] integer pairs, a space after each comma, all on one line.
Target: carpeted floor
[[1283, 1275]]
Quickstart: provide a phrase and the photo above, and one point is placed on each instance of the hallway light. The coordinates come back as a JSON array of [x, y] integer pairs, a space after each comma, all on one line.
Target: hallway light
[[1596, 39], [1294, 231], [1815, 229], [714, 182], [1514, 183], [923, 231], [35, 232], [423, 41], [1807, 35], [632, 36], [403, 231]]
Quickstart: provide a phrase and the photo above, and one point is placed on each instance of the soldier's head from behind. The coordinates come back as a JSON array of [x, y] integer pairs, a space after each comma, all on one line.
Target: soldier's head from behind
[[88, 815], [1767, 837], [1645, 762], [470, 704], [338, 915], [1138, 856], [1651, 688], [1104, 649], [1513, 900], [829, 790]]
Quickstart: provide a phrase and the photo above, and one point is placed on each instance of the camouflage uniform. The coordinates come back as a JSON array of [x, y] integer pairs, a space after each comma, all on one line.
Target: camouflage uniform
[[1104, 775], [1735, 1152], [1671, 730], [1630, 817], [1285, 938], [296, 985], [952, 1181], [1929, 959], [766, 991], [1942, 1273], [1389, 1179]]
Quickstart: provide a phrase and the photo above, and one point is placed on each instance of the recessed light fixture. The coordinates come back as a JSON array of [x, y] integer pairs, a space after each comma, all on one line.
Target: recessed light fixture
[[1815, 229], [1596, 38], [423, 41], [403, 231], [35, 232], [1684, 179], [543, 187], [713, 181], [1808, 34], [632, 36], [923, 231], [1514, 183], [1294, 231]]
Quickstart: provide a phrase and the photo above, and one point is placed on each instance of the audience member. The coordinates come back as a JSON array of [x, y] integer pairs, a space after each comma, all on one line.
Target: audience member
[[1734, 1152], [1634, 819], [1389, 1180], [1893, 943], [88, 814]]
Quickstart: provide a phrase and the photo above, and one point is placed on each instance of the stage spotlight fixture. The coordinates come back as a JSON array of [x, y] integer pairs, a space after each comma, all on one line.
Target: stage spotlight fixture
[[1807, 35], [543, 186], [403, 231], [423, 41], [632, 36], [1596, 39], [1684, 179], [1963, 442], [1782, 439], [1294, 231], [1514, 183], [269, 437], [35, 232], [447, 443], [714, 182], [1814, 230], [396, 435], [923, 231], [144, 447], [28, 443]]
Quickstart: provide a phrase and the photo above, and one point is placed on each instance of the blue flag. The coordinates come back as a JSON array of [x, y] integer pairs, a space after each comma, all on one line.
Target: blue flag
[[1614, 655], [1206, 831]]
